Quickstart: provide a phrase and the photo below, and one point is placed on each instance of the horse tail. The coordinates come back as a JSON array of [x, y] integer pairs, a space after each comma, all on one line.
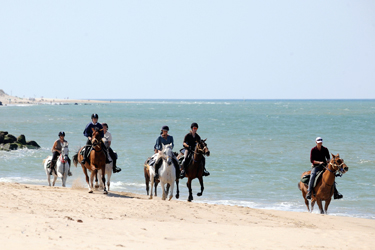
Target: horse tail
[[75, 159]]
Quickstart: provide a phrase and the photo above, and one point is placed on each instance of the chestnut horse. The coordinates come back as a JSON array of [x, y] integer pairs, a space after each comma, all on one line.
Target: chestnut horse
[[97, 160], [325, 185], [195, 169]]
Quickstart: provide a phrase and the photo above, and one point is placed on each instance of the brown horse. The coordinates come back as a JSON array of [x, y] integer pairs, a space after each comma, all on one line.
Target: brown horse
[[147, 177], [324, 188], [195, 169], [97, 159]]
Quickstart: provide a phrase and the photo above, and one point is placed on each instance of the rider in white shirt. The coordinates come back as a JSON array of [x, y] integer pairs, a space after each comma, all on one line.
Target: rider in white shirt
[[107, 139]]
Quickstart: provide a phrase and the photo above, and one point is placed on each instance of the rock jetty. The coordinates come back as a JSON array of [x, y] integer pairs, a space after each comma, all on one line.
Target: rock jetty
[[9, 142]]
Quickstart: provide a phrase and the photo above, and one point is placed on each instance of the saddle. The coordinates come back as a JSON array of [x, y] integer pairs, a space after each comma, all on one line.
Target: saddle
[[49, 166], [306, 178], [83, 152]]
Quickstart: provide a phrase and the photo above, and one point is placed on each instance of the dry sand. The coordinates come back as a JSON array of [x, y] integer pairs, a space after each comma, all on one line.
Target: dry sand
[[41, 217]]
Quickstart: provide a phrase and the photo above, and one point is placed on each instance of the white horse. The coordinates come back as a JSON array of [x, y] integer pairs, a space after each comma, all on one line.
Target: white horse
[[61, 168], [167, 172], [108, 172]]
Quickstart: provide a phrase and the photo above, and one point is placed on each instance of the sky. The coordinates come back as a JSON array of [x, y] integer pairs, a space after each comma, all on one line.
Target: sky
[[147, 49]]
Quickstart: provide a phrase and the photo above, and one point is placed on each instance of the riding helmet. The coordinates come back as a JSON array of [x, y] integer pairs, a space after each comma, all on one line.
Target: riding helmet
[[61, 133], [94, 116], [194, 124], [165, 128]]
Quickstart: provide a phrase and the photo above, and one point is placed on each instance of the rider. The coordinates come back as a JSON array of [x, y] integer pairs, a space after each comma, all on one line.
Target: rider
[[56, 150], [88, 133], [189, 144], [164, 139], [319, 157], [108, 141]]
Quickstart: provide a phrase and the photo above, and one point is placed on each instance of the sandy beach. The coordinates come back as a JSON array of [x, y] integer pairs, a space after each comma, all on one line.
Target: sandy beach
[[42, 217]]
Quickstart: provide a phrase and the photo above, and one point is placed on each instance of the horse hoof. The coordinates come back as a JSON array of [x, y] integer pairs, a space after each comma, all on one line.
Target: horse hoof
[[105, 192], [170, 198], [189, 200], [150, 198], [90, 192], [177, 196], [199, 194]]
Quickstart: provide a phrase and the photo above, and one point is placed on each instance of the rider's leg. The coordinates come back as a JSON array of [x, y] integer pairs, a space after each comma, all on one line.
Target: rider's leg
[[55, 155], [205, 172], [107, 160], [314, 170], [336, 194], [176, 165], [183, 164], [69, 161], [114, 160], [157, 166], [87, 146]]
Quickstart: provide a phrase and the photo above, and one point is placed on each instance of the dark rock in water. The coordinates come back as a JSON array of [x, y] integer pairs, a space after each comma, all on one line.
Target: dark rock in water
[[21, 139], [9, 138], [33, 144], [9, 142]]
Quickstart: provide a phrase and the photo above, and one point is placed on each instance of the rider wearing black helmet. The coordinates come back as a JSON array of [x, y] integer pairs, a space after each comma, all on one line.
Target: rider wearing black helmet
[[56, 149], [164, 139], [94, 124], [190, 141]]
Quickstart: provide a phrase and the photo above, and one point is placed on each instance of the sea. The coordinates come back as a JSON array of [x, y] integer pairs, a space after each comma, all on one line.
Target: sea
[[259, 148]]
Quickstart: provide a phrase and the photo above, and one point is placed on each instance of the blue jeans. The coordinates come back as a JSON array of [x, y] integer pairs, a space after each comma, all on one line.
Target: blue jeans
[[315, 170]]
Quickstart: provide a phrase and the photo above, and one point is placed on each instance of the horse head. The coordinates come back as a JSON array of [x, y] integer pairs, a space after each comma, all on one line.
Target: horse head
[[338, 164], [96, 138], [167, 153], [65, 151], [202, 147]]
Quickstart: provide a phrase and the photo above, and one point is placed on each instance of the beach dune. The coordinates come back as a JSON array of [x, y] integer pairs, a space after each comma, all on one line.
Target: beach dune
[[41, 217]]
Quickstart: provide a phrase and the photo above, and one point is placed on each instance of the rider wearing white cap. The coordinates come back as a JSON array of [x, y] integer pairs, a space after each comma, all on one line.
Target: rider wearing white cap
[[319, 158]]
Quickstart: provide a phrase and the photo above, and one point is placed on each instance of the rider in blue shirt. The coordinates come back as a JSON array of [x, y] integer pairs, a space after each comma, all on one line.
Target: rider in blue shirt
[[88, 133]]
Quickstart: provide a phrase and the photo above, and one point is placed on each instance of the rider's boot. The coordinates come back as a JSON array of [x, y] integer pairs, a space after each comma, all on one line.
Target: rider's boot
[[336, 194], [205, 172], [182, 174], [308, 196], [84, 156], [115, 168]]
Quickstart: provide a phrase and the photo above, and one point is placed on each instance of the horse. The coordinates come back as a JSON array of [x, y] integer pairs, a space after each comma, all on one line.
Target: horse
[[62, 167], [97, 159], [167, 172], [195, 168], [146, 171], [324, 188]]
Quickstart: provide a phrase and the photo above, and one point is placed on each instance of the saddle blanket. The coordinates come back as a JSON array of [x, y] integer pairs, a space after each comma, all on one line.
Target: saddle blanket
[[306, 178]]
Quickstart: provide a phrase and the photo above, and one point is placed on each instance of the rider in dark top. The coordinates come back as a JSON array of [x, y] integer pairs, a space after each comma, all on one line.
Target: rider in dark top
[[88, 133], [319, 157], [190, 141]]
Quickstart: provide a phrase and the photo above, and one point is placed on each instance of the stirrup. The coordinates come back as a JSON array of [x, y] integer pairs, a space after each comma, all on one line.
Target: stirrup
[[116, 170], [83, 161], [206, 173], [308, 196], [337, 196], [182, 174]]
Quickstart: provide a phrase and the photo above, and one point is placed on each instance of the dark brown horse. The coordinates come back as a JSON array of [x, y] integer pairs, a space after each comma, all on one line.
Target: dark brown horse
[[324, 188], [97, 160], [195, 168]]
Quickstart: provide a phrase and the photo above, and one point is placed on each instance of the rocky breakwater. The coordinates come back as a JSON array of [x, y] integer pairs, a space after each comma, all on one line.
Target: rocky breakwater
[[9, 142]]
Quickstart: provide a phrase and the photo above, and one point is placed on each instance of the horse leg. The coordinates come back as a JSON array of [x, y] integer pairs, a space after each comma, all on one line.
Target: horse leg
[[304, 193], [202, 186], [152, 185], [156, 187], [188, 184], [312, 205], [326, 206], [103, 180], [147, 181], [96, 180], [178, 190], [164, 196], [54, 179], [171, 192], [319, 201], [109, 175]]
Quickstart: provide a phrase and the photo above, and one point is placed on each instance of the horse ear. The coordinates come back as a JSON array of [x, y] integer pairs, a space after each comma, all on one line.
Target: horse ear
[[93, 130], [333, 156], [205, 140], [338, 156]]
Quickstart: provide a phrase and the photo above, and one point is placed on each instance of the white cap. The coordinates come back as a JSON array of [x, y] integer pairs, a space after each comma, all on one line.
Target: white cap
[[319, 140]]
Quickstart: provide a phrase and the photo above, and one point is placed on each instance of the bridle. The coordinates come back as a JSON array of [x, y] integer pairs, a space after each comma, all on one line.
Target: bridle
[[336, 167], [95, 143]]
